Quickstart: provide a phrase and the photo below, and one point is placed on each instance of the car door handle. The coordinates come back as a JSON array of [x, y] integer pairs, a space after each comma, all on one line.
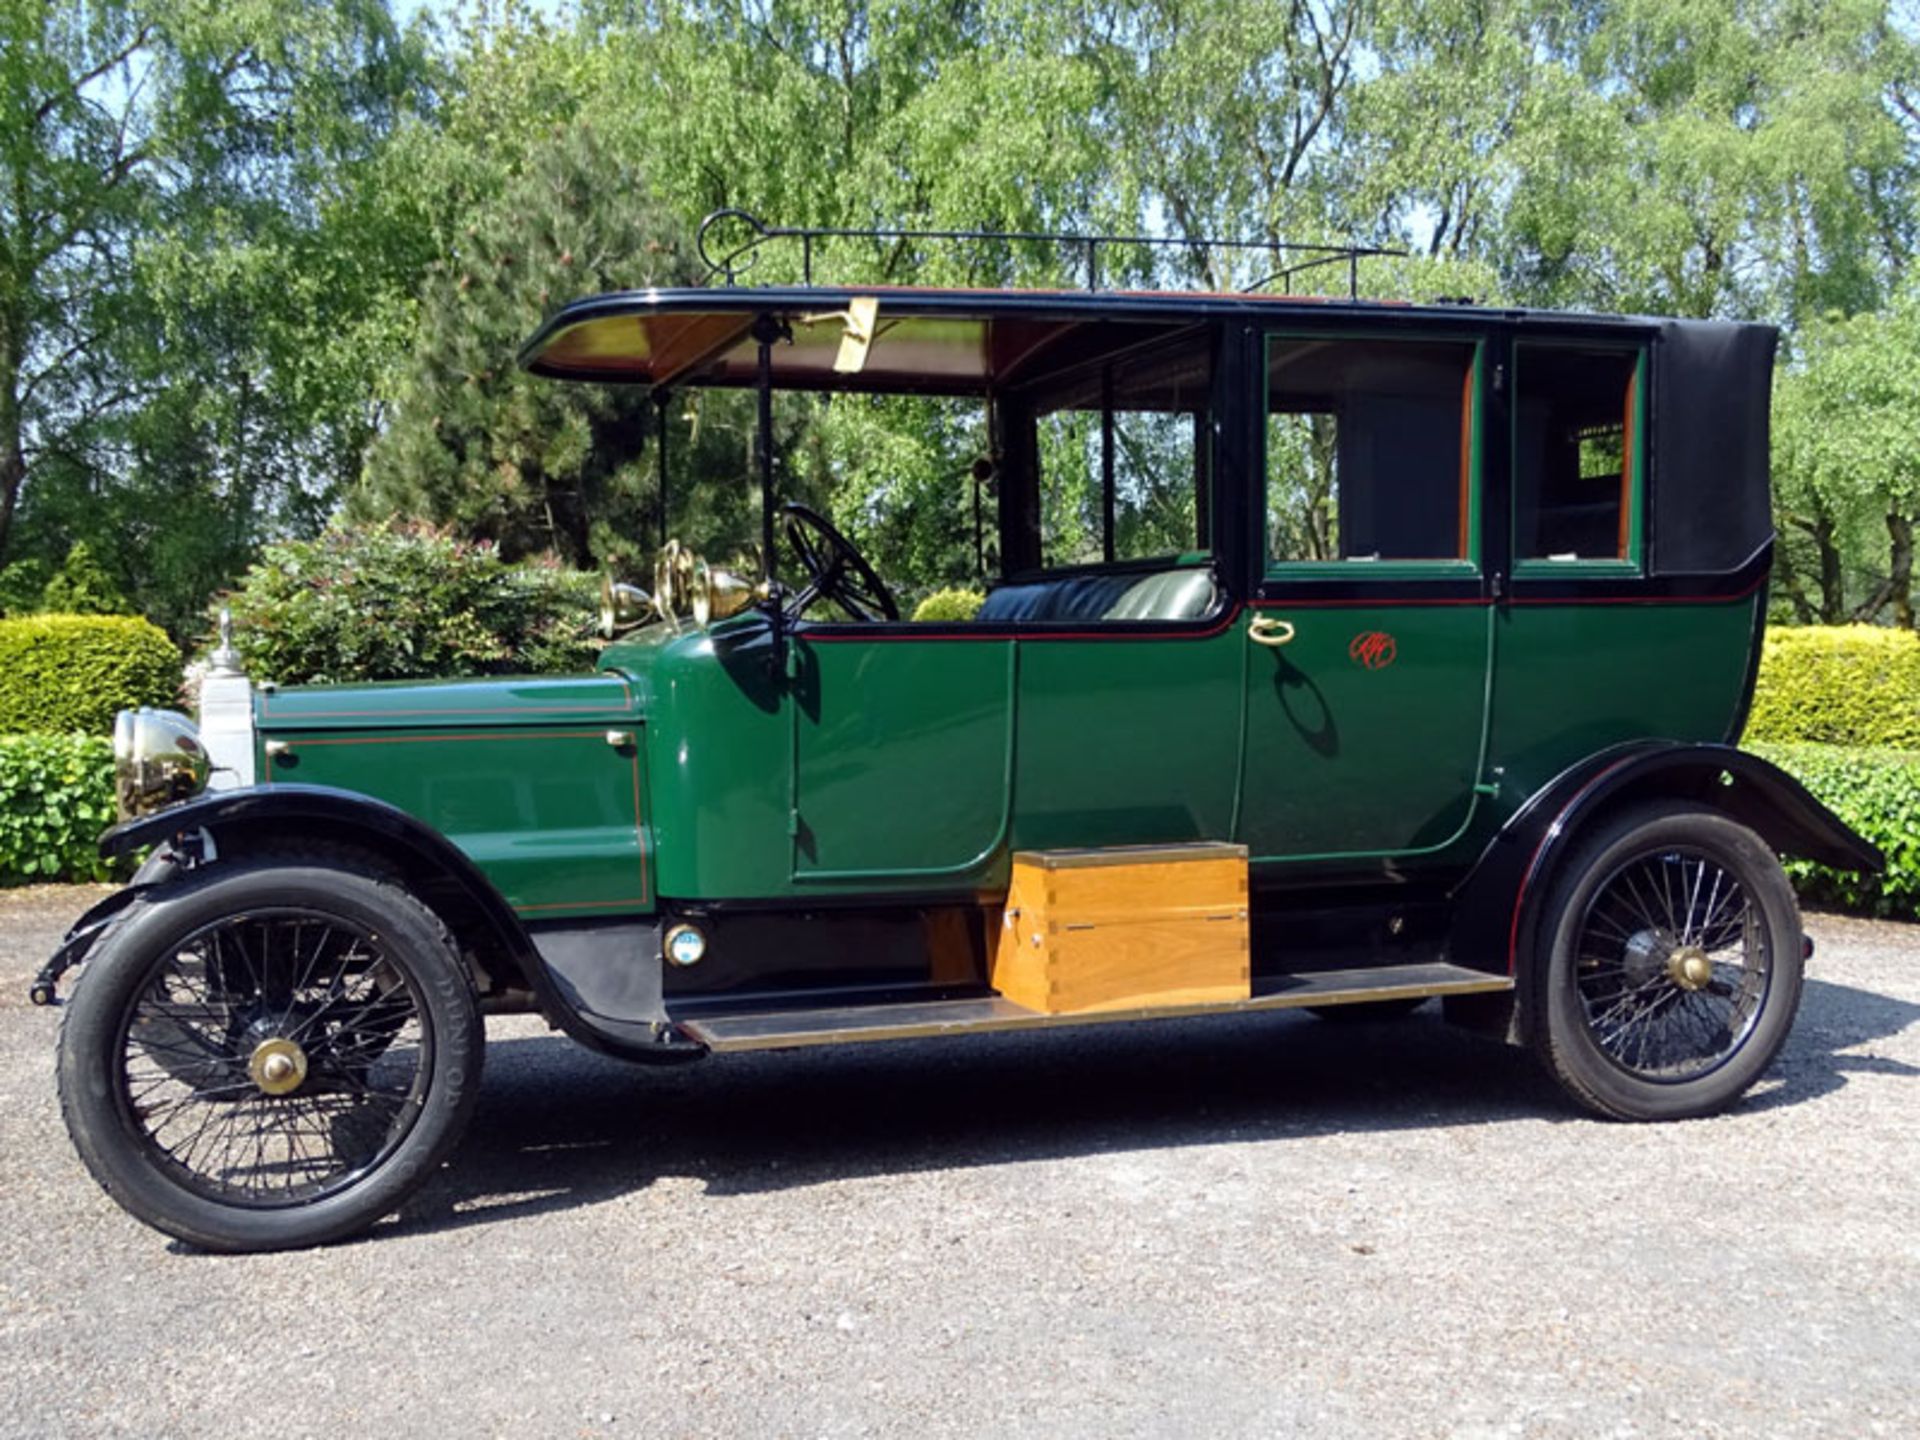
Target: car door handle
[[1269, 631]]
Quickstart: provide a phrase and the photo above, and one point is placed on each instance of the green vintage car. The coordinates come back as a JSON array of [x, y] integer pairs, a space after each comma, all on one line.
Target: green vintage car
[[1334, 654]]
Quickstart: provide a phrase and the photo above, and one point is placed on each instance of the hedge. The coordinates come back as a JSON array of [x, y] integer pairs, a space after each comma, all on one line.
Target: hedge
[[56, 796], [1877, 792], [65, 673], [1839, 685], [949, 605]]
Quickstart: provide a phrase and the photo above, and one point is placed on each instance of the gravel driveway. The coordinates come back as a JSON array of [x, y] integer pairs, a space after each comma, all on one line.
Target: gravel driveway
[[1246, 1227]]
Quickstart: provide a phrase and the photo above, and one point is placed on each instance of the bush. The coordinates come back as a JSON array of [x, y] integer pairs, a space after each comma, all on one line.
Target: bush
[[1877, 792], [1839, 685], [56, 796], [949, 605], [62, 673], [81, 586], [400, 602]]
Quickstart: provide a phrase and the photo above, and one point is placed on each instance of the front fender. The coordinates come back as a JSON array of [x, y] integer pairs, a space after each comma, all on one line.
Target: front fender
[[1497, 908], [268, 815]]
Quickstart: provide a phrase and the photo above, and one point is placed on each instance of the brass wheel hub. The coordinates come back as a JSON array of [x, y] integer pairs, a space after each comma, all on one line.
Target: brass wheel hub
[[278, 1067], [1690, 967]]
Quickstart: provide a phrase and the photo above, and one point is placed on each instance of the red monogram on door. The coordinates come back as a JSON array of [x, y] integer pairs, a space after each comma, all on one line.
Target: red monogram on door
[[1372, 649]]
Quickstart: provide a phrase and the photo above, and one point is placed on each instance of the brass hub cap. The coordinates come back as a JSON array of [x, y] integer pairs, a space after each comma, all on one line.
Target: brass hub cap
[[1690, 967], [278, 1067]]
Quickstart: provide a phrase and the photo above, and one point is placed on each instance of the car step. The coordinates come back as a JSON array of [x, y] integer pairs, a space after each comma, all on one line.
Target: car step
[[906, 1020]]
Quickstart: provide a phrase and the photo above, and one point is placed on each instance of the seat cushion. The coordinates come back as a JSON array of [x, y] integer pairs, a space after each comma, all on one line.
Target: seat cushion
[[1170, 595], [1184, 594], [1076, 597]]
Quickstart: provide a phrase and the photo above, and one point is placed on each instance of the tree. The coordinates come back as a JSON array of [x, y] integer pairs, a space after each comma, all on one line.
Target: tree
[[1847, 465], [186, 261], [476, 443]]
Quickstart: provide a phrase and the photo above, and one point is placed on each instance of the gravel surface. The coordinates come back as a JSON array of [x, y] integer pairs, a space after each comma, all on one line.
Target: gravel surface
[[1245, 1227]]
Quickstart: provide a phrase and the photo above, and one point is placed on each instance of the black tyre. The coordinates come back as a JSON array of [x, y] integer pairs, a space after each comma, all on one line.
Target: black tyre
[[269, 1056], [1670, 968]]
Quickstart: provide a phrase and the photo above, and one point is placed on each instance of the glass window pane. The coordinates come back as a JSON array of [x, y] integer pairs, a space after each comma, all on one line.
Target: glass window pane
[[1575, 453], [1369, 450]]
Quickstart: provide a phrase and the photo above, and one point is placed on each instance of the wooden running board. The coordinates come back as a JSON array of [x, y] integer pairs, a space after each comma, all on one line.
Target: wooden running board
[[907, 1020]]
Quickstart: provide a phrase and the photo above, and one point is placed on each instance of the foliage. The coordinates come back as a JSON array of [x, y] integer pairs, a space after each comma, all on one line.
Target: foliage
[[1847, 465], [56, 796], [60, 673], [1877, 792], [197, 259], [950, 605], [244, 244], [478, 443], [1839, 685], [393, 602], [82, 586]]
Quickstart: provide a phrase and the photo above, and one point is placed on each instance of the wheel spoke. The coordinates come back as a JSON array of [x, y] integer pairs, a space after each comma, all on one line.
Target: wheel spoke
[[1637, 964], [254, 990]]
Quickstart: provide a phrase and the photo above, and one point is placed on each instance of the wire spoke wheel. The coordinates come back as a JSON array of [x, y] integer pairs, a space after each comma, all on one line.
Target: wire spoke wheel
[[273, 1058], [1672, 965]]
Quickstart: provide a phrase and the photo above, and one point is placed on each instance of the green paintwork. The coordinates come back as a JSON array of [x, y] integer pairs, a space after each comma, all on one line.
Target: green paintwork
[[1125, 742], [571, 700], [1575, 679], [518, 773], [851, 763], [1343, 760], [901, 756], [894, 755]]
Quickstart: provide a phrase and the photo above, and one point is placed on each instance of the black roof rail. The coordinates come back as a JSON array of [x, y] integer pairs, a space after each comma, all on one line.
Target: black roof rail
[[730, 265]]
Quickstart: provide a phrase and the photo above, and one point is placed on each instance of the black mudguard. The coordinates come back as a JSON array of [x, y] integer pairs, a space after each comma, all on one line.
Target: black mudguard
[[570, 993], [1497, 908]]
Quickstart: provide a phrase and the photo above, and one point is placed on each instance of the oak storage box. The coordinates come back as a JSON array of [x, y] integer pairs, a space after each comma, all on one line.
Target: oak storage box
[[1130, 926]]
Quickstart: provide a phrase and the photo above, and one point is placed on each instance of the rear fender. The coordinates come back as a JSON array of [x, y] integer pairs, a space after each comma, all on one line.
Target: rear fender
[[1500, 907]]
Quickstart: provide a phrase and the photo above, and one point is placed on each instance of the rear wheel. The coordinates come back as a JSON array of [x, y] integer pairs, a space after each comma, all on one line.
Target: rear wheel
[[270, 1056], [1672, 968]]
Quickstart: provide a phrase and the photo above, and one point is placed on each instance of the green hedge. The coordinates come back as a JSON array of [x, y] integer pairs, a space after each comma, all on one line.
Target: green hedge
[[1839, 685], [1877, 792], [65, 673], [56, 796], [949, 605]]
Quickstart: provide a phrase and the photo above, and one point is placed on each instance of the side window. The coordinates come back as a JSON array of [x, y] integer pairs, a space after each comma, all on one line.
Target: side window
[[1576, 456], [1122, 453], [1370, 451]]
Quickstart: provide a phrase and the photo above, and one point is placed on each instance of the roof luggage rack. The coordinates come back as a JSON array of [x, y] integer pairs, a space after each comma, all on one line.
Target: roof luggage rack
[[730, 265]]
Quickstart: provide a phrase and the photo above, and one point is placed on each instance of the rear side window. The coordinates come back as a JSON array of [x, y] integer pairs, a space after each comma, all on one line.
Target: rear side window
[[1370, 451], [1577, 455]]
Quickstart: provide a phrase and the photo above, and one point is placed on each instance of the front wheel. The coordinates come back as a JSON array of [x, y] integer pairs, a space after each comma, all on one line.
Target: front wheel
[[1672, 965], [270, 1056]]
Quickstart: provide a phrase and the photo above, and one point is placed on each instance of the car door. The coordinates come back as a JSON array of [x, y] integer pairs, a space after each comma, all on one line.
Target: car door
[[1369, 633], [902, 749]]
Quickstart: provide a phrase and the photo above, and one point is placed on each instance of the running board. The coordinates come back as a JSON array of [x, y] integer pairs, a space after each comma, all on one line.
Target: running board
[[909, 1020]]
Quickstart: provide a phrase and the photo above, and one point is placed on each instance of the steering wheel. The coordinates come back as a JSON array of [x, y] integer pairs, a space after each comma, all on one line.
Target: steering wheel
[[835, 570]]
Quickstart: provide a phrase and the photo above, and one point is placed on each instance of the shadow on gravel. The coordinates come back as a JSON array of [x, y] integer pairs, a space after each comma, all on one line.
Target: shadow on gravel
[[559, 1127], [1833, 1020]]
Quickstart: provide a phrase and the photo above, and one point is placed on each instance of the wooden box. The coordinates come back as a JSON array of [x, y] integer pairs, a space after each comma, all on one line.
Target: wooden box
[[1125, 928]]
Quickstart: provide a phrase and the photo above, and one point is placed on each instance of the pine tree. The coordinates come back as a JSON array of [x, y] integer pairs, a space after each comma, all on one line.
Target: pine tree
[[477, 444]]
